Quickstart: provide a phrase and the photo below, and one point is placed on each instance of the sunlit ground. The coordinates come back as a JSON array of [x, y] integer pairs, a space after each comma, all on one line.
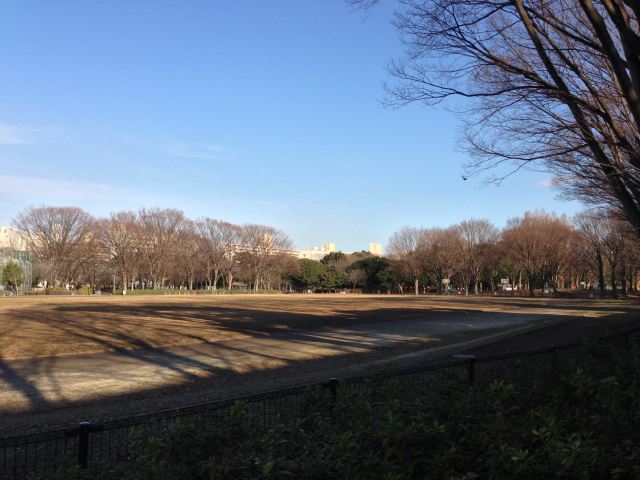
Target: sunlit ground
[[60, 350]]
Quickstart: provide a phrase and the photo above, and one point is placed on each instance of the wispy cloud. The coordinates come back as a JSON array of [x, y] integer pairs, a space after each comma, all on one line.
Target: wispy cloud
[[13, 134], [46, 189], [203, 151]]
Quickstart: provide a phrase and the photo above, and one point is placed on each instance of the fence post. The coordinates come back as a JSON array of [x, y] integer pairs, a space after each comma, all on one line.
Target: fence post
[[470, 360], [83, 444], [332, 385], [555, 363], [333, 388]]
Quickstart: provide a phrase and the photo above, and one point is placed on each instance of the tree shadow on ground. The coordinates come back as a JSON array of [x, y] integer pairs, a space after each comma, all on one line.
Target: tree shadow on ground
[[219, 372]]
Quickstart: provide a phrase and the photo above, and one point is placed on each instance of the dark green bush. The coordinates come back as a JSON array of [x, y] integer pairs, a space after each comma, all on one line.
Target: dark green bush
[[577, 418]]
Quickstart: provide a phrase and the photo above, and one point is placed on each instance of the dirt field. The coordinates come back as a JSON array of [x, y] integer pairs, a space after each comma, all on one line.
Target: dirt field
[[68, 359], [50, 326]]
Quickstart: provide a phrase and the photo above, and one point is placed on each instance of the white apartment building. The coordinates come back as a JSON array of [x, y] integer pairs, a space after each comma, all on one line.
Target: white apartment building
[[318, 253], [10, 239]]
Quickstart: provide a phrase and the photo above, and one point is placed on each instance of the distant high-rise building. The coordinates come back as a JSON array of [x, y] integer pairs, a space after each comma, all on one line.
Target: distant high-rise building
[[375, 249], [316, 253], [329, 247]]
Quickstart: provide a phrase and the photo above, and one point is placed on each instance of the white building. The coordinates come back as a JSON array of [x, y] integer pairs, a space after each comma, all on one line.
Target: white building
[[375, 249], [316, 253], [13, 249], [11, 239]]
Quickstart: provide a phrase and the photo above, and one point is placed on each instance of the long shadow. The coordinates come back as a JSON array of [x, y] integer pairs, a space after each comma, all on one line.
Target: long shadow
[[221, 383], [108, 326], [141, 350], [10, 376]]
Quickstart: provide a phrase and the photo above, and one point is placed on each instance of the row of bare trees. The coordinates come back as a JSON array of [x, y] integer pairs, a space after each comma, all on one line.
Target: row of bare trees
[[162, 248], [151, 248], [537, 250]]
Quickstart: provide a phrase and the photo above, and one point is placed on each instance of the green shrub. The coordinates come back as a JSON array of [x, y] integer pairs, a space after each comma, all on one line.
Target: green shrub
[[57, 291], [577, 418]]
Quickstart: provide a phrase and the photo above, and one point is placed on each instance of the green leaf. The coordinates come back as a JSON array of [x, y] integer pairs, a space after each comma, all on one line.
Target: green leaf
[[267, 467]]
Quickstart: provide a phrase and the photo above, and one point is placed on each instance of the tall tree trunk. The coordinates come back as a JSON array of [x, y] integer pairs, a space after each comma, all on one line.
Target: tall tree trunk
[[601, 279], [416, 285]]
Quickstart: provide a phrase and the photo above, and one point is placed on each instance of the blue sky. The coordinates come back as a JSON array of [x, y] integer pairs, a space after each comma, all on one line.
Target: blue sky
[[249, 111]]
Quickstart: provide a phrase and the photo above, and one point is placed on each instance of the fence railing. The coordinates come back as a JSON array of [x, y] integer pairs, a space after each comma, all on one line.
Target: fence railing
[[89, 445]]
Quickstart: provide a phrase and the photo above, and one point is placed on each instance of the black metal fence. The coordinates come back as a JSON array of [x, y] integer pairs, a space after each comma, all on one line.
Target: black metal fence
[[47, 454]]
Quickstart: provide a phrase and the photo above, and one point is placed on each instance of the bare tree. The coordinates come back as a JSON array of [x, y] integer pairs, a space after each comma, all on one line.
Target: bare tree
[[632, 256], [539, 243], [524, 246], [218, 242], [552, 84], [231, 241], [120, 235], [474, 239], [161, 233], [493, 255], [59, 238], [408, 247], [189, 254], [558, 239], [263, 245], [579, 268], [614, 243], [441, 253], [594, 231]]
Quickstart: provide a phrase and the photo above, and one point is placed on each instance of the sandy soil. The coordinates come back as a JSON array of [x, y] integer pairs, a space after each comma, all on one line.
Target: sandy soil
[[176, 351], [47, 326]]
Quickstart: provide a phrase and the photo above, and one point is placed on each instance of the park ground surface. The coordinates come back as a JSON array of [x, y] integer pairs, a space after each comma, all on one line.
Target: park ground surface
[[65, 359]]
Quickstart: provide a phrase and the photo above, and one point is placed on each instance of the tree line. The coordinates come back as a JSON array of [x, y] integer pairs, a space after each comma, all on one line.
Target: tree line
[[536, 250], [594, 250], [162, 248], [151, 249]]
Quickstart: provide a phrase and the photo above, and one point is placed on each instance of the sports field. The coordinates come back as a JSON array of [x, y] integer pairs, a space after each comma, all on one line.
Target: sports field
[[67, 358], [47, 326]]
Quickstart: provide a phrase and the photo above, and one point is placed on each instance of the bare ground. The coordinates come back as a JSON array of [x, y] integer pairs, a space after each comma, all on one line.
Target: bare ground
[[48, 326], [33, 327]]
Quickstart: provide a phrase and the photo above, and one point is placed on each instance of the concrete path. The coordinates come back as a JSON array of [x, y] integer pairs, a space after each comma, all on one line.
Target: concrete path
[[45, 383]]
